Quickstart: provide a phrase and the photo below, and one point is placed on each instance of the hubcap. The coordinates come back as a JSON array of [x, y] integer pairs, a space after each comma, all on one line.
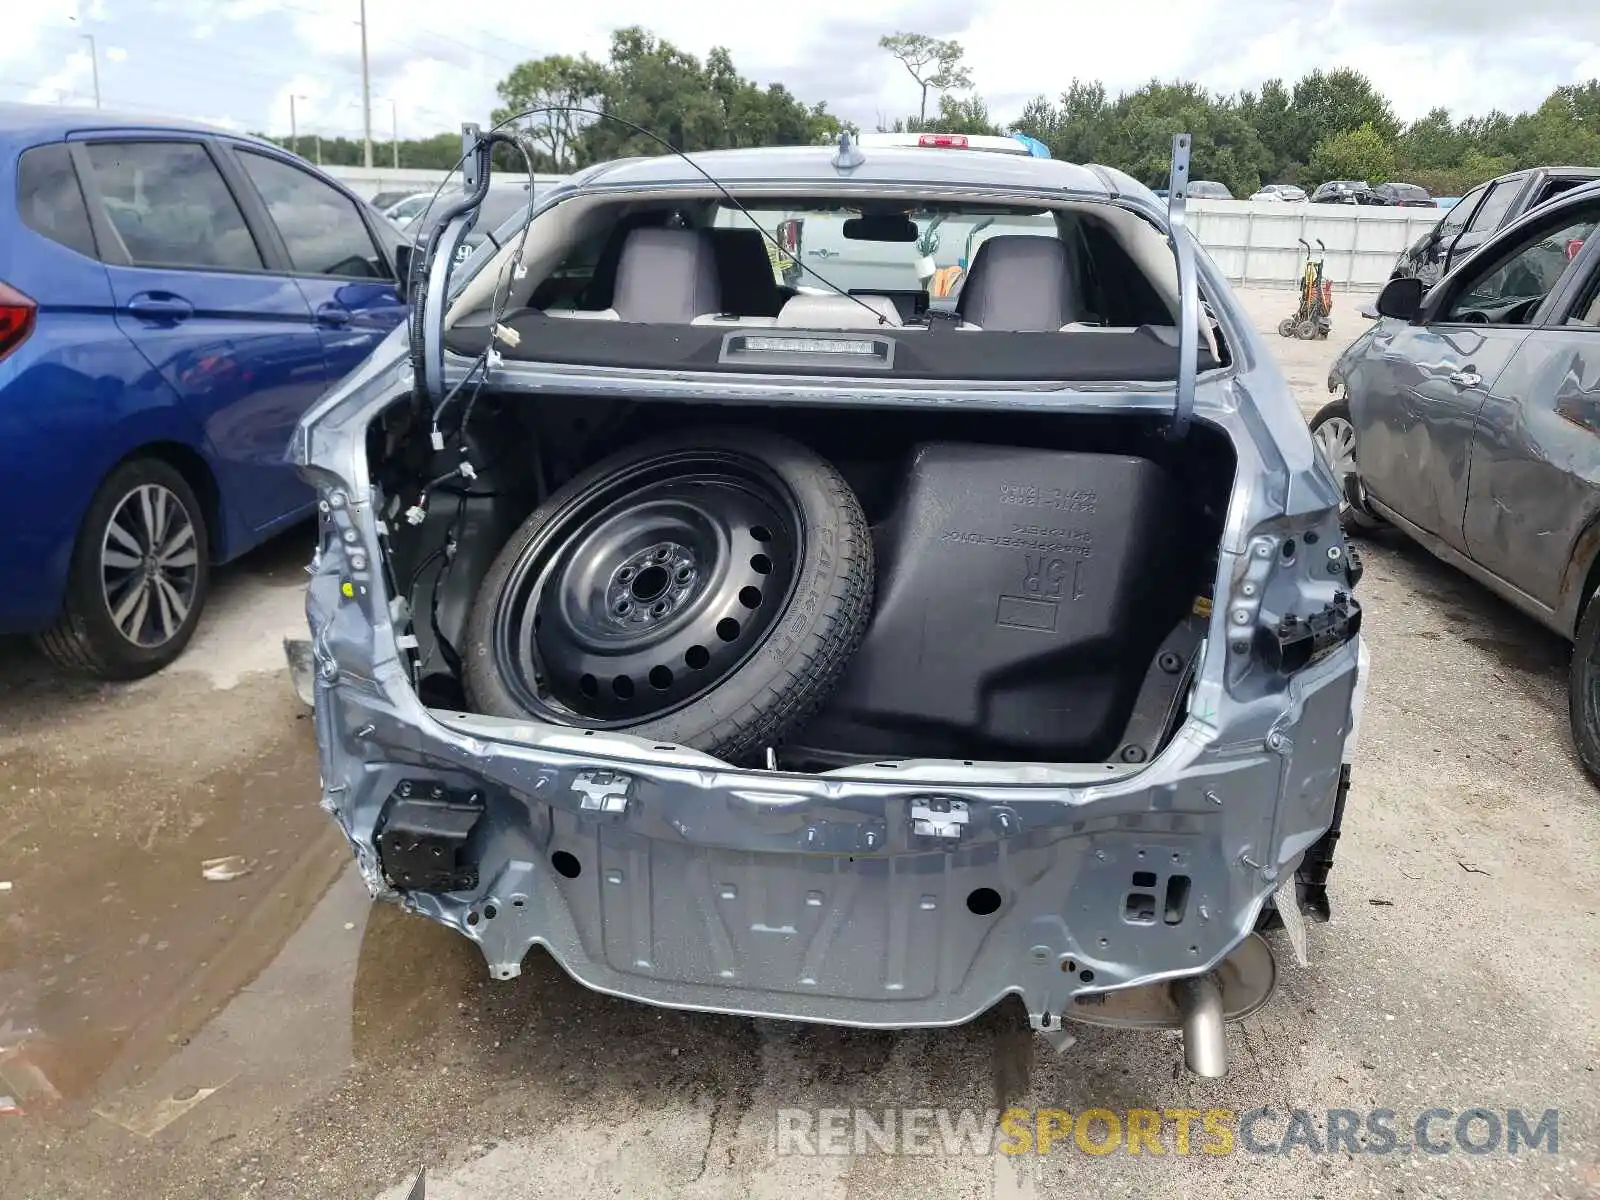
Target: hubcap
[[149, 565], [1336, 438], [648, 590]]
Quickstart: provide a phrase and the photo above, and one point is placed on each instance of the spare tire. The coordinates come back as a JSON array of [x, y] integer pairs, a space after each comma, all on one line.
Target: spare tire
[[705, 589]]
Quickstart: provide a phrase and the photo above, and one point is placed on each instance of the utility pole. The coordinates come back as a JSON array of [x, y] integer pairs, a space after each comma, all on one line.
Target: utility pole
[[366, 88], [294, 133], [394, 130], [94, 64]]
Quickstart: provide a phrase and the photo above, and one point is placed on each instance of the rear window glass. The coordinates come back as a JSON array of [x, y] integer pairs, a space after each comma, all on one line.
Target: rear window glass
[[806, 247], [49, 199], [1488, 218], [170, 206]]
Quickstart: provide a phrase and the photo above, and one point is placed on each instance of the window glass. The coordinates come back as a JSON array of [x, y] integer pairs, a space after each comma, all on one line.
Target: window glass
[[321, 227], [1495, 207], [169, 205], [49, 199], [1504, 290], [1456, 218]]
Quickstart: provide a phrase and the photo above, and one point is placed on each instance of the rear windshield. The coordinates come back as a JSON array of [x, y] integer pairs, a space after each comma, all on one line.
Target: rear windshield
[[823, 249]]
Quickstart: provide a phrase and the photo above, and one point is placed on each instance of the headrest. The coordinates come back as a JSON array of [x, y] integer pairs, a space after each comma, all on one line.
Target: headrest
[[744, 269], [808, 311], [666, 276], [1019, 283]]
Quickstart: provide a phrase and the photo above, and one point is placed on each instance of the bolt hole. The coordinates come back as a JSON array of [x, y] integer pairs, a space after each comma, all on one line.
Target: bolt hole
[[622, 687], [662, 554], [566, 865], [489, 912], [624, 607], [750, 597], [1086, 975], [1069, 966], [1311, 537], [625, 574], [516, 904], [1288, 550], [761, 533], [983, 901], [472, 918], [727, 629], [682, 574], [761, 564], [660, 678], [696, 658], [659, 607], [649, 584], [589, 685]]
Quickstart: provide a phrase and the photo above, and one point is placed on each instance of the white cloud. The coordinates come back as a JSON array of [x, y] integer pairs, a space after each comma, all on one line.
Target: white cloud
[[439, 63]]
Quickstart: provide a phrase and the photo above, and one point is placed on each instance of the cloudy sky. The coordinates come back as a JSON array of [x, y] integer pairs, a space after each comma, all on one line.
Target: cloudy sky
[[433, 64]]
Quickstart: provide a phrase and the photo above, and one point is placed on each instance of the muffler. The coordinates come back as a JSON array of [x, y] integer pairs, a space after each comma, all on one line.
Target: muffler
[[1198, 1005]]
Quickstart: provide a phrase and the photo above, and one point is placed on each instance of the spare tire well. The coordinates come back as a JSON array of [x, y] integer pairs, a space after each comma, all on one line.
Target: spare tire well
[[535, 452]]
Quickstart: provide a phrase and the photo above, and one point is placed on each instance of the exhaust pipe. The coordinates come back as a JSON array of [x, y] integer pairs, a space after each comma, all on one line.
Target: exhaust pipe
[[1205, 1047]]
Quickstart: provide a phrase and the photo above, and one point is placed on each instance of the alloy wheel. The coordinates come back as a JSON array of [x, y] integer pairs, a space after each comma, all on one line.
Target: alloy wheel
[[149, 565]]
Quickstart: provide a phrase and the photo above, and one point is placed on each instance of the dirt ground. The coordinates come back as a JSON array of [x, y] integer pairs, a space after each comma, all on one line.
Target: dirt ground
[[274, 1035]]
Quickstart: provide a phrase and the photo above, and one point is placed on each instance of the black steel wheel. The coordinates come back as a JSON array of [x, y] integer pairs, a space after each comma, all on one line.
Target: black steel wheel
[[705, 590], [1583, 689]]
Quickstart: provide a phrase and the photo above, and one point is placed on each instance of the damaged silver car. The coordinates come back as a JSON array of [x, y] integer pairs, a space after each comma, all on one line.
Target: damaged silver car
[[867, 656]]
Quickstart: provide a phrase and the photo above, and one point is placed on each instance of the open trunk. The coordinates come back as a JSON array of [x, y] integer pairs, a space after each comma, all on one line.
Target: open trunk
[[1042, 581]]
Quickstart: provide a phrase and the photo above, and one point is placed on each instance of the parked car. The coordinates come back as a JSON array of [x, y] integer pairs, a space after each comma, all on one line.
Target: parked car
[[1208, 189], [834, 664], [388, 199], [408, 208], [172, 299], [1344, 191], [1286, 192], [1403, 195], [1479, 214], [504, 200], [1467, 419]]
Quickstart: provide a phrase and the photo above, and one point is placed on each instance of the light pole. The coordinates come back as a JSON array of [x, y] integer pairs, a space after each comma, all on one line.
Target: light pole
[[366, 89], [294, 128], [394, 131], [94, 66]]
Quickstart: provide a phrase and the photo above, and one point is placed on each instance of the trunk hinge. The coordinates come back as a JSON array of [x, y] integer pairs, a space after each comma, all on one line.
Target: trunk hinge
[[438, 258], [1188, 291]]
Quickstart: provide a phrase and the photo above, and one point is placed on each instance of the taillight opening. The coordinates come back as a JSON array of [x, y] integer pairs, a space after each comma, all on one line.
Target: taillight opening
[[17, 314]]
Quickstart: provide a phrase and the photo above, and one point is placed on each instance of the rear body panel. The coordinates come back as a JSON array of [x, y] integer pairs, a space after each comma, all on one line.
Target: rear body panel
[[916, 892]]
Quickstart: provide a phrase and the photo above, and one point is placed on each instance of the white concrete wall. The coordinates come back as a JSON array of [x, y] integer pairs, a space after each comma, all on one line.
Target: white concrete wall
[[1251, 241]]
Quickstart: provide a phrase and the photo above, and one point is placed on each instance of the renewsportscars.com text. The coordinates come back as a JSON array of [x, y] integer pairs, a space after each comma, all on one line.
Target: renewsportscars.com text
[[1175, 1131]]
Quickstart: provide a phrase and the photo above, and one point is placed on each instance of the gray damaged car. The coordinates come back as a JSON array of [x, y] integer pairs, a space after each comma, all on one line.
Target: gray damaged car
[[864, 655]]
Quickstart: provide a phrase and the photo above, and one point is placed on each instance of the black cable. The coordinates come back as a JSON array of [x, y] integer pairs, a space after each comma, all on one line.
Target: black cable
[[547, 110], [450, 549]]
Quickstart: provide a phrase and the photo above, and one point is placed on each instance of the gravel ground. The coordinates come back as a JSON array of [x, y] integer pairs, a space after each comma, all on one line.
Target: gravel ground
[[274, 1035]]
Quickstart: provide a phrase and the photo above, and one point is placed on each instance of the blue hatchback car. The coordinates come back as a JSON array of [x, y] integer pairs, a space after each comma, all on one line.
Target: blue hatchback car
[[172, 299]]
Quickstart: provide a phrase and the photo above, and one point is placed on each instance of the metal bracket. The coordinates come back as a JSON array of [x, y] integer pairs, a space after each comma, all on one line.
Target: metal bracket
[[463, 214], [1188, 288], [939, 818], [603, 791]]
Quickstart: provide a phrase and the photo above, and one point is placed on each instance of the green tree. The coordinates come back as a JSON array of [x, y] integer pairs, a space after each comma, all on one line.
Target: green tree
[[1270, 112], [557, 81], [1361, 153], [1078, 129], [1338, 101], [1225, 147], [932, 62]]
